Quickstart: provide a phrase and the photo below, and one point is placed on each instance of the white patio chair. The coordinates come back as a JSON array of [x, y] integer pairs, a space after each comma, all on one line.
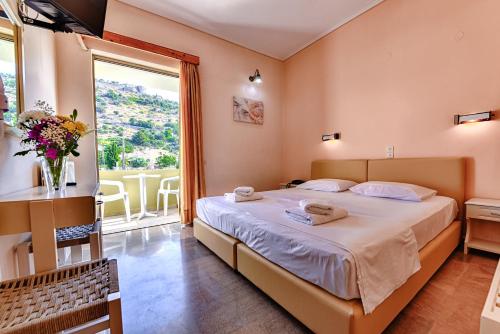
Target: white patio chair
[[121, 195], [166, 192]]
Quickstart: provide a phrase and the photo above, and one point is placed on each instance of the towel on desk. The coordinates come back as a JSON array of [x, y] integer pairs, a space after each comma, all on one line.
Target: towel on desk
[[299, 215]]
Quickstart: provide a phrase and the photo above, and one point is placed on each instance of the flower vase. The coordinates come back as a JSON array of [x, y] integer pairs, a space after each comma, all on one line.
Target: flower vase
[[54, 173]]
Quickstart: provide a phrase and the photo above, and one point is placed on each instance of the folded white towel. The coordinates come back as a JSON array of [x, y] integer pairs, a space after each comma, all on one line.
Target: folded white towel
[[232, 197], [299, 215], [244, 191], [317, 206]]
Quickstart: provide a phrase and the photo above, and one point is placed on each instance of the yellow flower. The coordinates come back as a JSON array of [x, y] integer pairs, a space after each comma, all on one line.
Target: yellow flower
[[81, 128], [64, 118], [70, 126]]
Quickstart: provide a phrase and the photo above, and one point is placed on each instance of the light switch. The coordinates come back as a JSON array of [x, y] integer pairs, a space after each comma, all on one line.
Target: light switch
[[389, 151]]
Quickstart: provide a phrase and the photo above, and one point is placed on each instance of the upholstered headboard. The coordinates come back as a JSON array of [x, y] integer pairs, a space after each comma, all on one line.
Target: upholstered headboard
[[446, 175], [354, 170]]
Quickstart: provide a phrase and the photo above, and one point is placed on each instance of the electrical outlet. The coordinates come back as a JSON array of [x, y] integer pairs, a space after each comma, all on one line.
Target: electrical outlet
[[389, 151]]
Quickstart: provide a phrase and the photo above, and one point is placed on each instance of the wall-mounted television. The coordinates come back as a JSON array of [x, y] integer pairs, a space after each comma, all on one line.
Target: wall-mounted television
[[79, 16]]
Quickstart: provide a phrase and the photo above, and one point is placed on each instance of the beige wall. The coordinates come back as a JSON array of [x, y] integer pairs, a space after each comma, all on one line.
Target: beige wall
[[75, 90], [17, 173], [396, 75], [40, 66], [235, 153]]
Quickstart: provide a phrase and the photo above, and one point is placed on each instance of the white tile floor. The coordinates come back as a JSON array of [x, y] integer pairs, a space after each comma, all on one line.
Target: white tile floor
[[119, 224]]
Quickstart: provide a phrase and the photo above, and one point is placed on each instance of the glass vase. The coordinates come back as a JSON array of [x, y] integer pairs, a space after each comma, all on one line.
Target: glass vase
[[54, 173]]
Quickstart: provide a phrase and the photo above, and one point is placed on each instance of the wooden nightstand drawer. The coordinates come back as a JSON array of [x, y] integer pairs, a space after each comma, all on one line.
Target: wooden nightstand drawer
[[483, 212], [483, 228]]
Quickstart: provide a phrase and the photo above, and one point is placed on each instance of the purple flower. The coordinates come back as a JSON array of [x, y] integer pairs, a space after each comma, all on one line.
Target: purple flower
[[32, 134], [51, 154]]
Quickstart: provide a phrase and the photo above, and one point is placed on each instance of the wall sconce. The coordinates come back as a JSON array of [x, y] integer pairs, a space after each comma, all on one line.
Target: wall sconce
[[473, 118], [256, 77], [333, 136]]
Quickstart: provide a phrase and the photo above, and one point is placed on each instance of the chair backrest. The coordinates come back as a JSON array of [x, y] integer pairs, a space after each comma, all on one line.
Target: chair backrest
[[169, 181], [118, 184]]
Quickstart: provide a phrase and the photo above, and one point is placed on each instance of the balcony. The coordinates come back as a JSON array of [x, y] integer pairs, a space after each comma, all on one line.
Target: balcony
[[114, 212]]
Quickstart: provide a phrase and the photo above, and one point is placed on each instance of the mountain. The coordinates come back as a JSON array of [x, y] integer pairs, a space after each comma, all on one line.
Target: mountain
[[145, 126]]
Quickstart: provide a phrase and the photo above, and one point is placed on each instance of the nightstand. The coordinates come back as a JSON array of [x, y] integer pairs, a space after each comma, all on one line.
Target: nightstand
[[483, 225]]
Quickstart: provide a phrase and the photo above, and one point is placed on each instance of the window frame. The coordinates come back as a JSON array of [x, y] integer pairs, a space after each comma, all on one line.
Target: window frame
[[114, 61]]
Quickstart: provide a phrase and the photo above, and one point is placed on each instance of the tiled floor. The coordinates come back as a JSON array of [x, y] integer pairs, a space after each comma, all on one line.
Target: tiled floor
[[119, 223], [170, 283]]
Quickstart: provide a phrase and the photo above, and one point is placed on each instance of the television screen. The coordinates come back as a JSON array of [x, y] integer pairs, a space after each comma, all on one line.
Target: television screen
[[80, 16]]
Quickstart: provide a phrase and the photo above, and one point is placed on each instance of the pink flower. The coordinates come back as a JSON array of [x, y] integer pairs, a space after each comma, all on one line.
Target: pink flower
[[43, 141], [51, 154]]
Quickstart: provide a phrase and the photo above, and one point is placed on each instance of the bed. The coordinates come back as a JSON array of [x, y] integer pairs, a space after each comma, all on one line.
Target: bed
[[257, 242]]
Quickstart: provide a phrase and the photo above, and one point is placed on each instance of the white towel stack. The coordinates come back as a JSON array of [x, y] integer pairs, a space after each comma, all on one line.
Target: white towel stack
[[243, 194], [317, 206], [316, 212], [244, 191]]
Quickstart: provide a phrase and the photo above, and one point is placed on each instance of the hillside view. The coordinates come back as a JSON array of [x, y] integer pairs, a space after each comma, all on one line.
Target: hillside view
[[135, 129]]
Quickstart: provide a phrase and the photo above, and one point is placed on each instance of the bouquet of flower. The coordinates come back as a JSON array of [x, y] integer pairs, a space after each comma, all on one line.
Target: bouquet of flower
[[53, 138]]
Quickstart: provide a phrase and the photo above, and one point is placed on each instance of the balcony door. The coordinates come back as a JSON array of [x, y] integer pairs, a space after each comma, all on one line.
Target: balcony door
[[137, 118]]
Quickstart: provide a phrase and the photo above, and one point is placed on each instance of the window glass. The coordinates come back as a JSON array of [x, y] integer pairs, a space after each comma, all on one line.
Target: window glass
[[8, 74]]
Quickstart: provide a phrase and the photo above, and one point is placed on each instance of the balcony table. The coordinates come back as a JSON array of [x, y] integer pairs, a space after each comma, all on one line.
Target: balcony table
[[39, 212], [142, 192]]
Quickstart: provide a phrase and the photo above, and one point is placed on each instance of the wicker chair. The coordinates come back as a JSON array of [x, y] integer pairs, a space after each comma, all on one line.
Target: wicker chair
[[74, 237], [79, 299]]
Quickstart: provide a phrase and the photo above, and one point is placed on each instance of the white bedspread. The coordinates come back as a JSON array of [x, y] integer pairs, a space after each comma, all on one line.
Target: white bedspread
[[366, 255]]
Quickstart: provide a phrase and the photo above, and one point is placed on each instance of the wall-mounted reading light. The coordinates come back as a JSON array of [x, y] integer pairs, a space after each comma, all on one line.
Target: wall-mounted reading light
[[256, 77], [332, 136], [473, 118]]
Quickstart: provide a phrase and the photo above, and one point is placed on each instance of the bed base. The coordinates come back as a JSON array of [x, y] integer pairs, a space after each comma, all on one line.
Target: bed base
[[319, 310], [221, 244]]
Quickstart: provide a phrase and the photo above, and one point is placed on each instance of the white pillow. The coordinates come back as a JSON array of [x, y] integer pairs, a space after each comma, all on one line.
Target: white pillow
[[330, 185], [395, 190]]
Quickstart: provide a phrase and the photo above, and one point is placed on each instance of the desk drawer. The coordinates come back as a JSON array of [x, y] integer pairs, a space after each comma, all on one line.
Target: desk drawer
[[483, 212]]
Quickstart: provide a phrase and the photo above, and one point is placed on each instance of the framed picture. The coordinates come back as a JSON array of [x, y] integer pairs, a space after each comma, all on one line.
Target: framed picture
[[248, 110]]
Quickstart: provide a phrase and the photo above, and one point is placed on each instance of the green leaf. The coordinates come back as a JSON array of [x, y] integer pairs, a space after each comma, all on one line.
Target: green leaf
[[75, 153], [22, 153], [74, 115]]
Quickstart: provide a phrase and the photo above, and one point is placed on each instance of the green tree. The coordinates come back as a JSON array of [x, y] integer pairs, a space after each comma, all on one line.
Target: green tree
[[166, 160], [141, 138], [138, 162], [111, 155]]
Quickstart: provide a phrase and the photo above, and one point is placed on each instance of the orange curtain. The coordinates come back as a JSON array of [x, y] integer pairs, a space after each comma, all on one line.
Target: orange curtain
[[192, 168]]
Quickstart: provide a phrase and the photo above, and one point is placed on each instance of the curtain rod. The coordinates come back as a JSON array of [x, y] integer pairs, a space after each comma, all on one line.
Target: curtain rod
[[150, 47]]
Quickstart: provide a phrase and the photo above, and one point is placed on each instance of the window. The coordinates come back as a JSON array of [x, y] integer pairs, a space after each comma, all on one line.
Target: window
[[8, 74], [137, 114]]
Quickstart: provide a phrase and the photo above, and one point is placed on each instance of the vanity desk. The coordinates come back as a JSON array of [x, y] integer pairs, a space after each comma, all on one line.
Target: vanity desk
[[36, 211]]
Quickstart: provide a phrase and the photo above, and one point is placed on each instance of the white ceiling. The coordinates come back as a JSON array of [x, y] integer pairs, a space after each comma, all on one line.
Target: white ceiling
[[277, 28]]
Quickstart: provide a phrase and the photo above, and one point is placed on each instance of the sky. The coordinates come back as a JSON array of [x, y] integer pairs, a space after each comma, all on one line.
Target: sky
[[163, 85]]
